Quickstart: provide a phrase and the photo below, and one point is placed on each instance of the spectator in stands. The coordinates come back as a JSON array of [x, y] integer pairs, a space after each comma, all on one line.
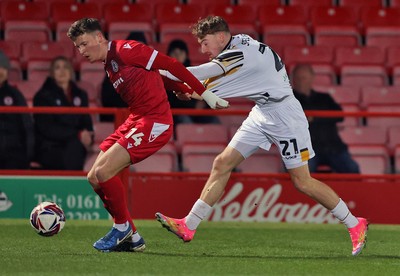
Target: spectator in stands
[[109, 97], [16, 130], [328, 146], [178, 49], [62, 140]]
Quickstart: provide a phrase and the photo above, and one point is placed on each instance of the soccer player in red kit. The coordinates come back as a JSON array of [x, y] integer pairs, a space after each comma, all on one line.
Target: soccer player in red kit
[[132, 68]]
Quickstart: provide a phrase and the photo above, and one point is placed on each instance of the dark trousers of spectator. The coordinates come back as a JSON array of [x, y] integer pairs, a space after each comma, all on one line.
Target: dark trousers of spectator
[[339, 162], [69, 156]]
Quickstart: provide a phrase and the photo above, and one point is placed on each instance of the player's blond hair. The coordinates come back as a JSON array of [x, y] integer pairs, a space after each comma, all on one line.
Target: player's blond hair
[[209, 25]]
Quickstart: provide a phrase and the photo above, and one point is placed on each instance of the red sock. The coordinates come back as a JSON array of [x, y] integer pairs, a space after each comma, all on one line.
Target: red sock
[[115, 199], [100, 193]]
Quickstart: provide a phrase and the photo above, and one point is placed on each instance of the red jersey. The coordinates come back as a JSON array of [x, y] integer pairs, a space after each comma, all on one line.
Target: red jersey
[[132, 68]]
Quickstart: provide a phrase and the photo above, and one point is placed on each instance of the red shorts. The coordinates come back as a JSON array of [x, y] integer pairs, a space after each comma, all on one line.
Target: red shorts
[[141, 138]]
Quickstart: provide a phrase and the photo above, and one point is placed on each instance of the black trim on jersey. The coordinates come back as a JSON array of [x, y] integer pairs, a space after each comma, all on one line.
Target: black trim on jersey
[[228, 56], [219, 66], [227, 45]]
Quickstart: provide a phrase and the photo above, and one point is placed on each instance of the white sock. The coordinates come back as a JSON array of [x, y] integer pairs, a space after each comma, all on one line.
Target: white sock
[[199, 211], [121, 226], [136, 237], [342, 213]]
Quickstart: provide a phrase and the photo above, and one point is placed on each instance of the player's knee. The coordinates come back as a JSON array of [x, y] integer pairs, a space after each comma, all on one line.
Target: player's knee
[[101, 174], [302, 184], [92, 179], [222, 164]]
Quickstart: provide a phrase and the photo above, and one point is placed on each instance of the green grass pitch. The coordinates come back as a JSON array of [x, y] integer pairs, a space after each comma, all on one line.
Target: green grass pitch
[[219, 248]]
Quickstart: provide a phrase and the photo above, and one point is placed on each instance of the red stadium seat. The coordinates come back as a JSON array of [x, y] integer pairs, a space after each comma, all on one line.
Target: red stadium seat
[[343, 95], [92, 72], [308, 54], [383, 37], [201, 133], [50, 2], [394, 138], [258, 3], [64, 14], [384, 122], [335, 26], [363, 75], [164, 160], [15, 71], [310, 3], [382, 17], [38, 70], [45, 50], [364, 135], [392, 58], [280, 24], [175, 20], [397, 160], [121, 19], [396, 75], [24, 11], [262, 162], [371, 164], [359, 56], [350, 121], [241, 19], [381, 95], [28, 88], [91, 90], [103, 3], [11, 48], [236, 120], [208, 2], [27, 31], [200, 157], [357, 5]]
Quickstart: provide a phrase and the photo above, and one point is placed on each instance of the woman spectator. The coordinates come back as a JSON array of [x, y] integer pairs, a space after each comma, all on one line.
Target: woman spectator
[[62, 140]]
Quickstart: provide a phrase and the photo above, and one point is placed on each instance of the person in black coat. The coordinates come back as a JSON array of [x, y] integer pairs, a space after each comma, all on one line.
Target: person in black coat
[[16, 130], [62, 140], [328, 146]]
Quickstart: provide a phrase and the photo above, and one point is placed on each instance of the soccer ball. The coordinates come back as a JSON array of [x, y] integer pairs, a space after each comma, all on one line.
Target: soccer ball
[[47, 218]]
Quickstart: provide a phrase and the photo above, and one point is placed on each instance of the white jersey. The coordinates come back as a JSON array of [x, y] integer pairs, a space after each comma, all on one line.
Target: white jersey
[[250, 70]]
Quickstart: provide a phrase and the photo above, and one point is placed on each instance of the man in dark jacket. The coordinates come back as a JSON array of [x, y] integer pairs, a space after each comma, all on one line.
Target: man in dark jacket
[[16, 130], [329, 148]]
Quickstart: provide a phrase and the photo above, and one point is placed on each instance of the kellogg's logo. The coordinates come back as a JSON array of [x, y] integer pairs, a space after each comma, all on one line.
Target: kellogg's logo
[[264, 206]]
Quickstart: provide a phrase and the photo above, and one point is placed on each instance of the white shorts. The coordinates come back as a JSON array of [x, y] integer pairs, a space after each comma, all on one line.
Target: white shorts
[[283, 124]]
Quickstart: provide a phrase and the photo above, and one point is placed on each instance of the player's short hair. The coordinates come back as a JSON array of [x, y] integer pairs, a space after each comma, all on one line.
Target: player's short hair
[[83, 26], [209, 25]]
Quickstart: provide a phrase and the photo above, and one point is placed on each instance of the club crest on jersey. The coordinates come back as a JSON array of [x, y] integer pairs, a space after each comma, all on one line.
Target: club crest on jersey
[[114, 66], [8, 101], [127, 46], [77, 101]]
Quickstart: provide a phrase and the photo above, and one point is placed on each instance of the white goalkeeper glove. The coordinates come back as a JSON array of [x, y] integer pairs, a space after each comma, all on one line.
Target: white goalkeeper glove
[[213, 100]]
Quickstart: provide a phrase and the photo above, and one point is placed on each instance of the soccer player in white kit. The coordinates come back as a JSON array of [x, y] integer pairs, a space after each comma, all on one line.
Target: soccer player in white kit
[[243, 67]]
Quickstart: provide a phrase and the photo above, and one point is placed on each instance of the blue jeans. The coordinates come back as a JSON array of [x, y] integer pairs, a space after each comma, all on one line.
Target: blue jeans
[[340, 162]]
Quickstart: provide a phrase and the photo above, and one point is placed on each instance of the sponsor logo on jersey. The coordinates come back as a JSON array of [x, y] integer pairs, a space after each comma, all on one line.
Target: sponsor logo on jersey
[[127, 46], [114, 65], [117, 82], [157, 130], [129, 146]]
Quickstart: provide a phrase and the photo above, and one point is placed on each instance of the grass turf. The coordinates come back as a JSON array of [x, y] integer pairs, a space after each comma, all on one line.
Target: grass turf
[[223, 248]]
